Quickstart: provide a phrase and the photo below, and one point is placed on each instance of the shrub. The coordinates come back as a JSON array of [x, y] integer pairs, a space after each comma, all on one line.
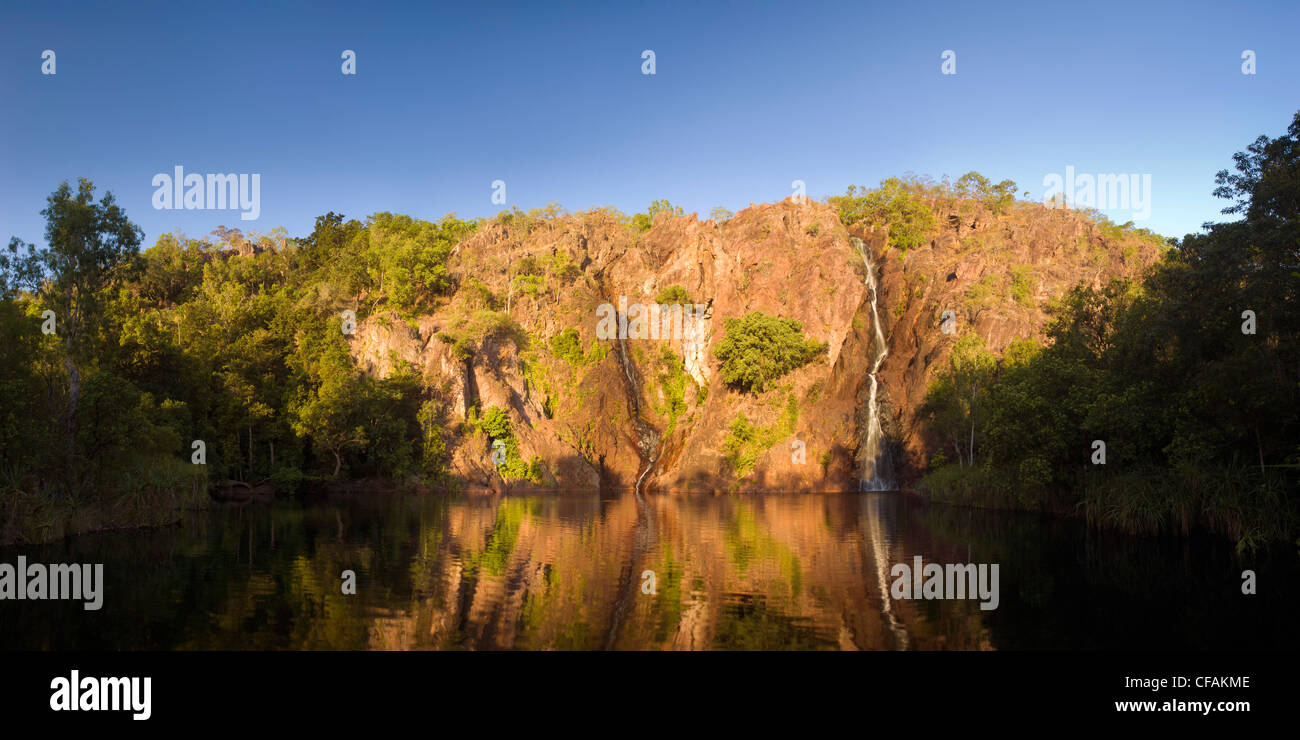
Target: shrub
[[1035, 471], [673, 294], [567, 346], [563, 268], [759, 348], [896, 203], [463, 349], [527, 265], [494, 325], [747, 441], [980, 295], [673, 380], [529, 284], [495, 423], [643, 221], [994, 197], [480, 295], [1022, 288]]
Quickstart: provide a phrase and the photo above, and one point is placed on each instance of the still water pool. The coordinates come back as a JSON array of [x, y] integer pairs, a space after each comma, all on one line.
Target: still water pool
[[570, 571]]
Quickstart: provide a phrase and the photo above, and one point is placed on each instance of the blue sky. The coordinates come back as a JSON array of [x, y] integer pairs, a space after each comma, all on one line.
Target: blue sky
[[549, 97]]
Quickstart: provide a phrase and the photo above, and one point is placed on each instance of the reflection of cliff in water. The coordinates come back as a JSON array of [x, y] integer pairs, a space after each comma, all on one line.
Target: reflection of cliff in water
[[561, 570]]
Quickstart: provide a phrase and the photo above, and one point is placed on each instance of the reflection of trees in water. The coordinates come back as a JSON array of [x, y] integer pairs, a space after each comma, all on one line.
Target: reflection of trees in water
[[551, 571], [562, 571], [1072, 586], [752, 573]]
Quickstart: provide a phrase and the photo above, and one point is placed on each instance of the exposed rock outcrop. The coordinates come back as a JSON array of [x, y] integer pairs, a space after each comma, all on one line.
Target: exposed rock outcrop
[[524, 282]]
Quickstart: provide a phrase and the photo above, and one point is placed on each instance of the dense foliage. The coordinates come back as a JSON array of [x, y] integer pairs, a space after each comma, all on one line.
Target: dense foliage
[[758, 349], [994, 197], [235, 342], [746, 441], [672, 294], [1190, 377], [897, 204], [495, 424]]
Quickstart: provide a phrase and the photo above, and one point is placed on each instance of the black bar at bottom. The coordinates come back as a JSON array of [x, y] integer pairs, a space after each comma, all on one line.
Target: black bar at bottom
[[989, 690]]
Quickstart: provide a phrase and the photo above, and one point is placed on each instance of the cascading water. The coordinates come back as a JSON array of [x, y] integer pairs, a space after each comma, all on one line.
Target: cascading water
[[876, 468], [647, 436], [644, 536]]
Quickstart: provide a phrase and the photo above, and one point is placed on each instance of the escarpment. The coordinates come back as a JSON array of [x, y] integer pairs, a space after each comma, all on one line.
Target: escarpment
[[649, 410]]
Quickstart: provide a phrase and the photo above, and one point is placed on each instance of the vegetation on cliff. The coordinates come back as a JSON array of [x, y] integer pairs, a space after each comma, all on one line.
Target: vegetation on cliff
[[230, 353], [496, 426], [1166, 403], [244, 345], [758, 349]]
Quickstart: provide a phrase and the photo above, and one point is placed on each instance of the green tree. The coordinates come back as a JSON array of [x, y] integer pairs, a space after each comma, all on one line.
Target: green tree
[[994, 197], [758, 349], [898, 204], [330, 416], [1191, 375], [671, 294], [643, 221], [88, 243], [955, 400]]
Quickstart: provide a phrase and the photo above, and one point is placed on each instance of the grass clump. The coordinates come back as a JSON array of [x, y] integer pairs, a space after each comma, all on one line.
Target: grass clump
[[747, 441], [495, 423], [567, 346], [1022, 284], [673, 380]]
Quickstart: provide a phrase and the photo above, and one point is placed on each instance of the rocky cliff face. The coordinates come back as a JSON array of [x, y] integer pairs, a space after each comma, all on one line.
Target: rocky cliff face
[[654, 413]]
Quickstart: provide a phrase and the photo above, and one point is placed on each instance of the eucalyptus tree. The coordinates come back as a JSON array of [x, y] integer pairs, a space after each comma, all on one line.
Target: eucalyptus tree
[[87, 245]]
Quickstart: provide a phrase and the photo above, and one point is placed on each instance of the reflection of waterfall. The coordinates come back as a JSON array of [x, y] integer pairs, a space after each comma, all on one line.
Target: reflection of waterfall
[[629, 582], [880, 556], [647, 444], [876, 468]]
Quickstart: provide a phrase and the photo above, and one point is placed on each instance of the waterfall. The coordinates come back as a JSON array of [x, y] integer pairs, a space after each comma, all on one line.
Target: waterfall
[[876, 468], [647, 436]]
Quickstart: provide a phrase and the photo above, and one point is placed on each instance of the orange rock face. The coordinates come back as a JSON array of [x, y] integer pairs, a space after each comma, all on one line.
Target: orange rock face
[[663, 416]]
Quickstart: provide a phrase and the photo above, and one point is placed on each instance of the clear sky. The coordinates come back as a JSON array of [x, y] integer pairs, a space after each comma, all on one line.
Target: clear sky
[[551, 99]]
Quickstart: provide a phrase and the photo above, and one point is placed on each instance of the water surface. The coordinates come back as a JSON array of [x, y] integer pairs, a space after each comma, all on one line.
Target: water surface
[[566, 571]]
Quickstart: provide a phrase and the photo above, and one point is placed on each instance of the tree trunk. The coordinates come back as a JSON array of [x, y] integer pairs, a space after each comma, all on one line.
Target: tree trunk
[[74, 397], [971, 449], [338, 463]]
